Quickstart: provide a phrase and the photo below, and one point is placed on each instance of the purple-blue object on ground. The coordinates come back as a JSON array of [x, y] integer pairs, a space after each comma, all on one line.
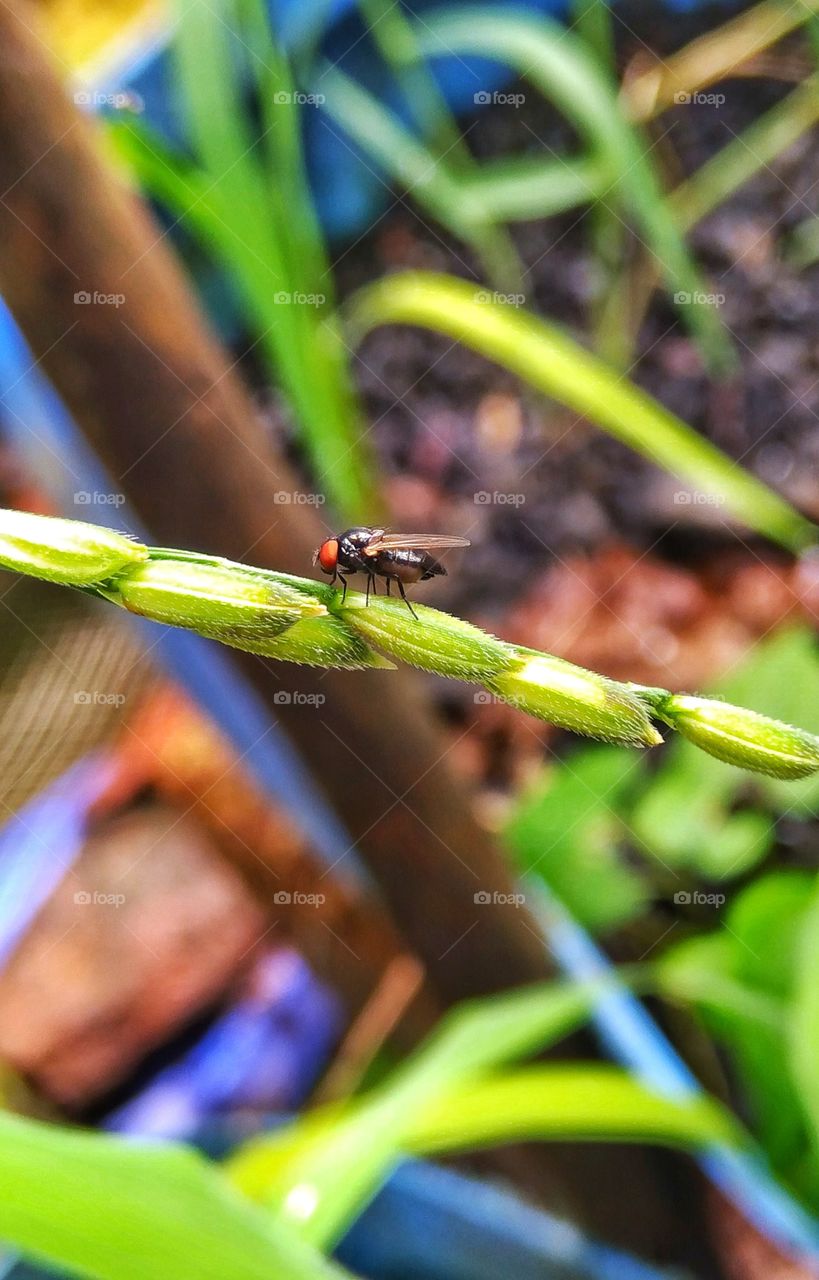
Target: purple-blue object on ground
[[263, 1054]]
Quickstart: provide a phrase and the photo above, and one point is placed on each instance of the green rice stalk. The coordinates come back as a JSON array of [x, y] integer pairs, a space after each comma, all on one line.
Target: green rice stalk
[[306, 621]]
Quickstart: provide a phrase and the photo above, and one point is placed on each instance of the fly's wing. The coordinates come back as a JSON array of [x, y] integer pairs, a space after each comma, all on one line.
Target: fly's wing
[[413, 542]]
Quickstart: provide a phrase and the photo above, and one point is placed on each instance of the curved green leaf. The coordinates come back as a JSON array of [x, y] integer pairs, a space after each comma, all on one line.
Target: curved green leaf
[[342, 1164], [545, 356], [564, 1103]]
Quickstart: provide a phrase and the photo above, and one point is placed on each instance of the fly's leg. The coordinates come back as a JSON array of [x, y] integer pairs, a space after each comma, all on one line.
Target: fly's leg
[[389, 584], [404, 598], [370, 583], [344, 588]]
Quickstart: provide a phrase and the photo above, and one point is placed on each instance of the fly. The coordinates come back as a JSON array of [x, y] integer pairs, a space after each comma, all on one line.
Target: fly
[[402, 558]]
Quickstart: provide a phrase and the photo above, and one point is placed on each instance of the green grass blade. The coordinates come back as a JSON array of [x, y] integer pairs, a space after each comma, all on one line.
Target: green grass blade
[[592, 20], [395, 36], [522, 188], [395, 149], [344, 1163], [754, 149], [321, 381], [563, 1103], [282, 154], [546, 357], [302, 345], [123, 1210], [205, 57], [804, 1021], [562, 69]]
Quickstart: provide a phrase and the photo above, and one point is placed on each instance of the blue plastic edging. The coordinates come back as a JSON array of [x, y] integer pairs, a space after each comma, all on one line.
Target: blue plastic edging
[[632, 1037]]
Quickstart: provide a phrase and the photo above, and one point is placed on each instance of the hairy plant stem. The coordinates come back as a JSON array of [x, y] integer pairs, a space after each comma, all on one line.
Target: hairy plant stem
[[302, 620]]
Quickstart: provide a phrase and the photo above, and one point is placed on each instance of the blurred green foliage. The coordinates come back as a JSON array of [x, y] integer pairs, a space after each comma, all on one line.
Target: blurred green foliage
[[611, 837], [694, 817], [241, 190]]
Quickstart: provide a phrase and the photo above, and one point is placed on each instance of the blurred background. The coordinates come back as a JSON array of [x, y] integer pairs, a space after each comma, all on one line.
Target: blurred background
[[542, 276]]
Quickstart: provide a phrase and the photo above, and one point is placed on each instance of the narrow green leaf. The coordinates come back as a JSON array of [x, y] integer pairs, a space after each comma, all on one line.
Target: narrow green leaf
[[710, 973], [117, 1209], [804, 1020], [545, 356], [566, 72], [522, 188], [335, 1169], [564, 1103]]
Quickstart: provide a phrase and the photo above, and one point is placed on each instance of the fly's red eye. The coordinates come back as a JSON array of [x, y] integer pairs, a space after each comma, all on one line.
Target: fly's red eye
[[328, 555]]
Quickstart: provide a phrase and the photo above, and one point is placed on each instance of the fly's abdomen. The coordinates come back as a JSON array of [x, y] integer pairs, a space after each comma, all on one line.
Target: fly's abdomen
[[407, 566], [432, 568]]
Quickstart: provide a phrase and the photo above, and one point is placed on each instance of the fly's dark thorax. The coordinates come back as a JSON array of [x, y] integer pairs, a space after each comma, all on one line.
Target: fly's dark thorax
[[351, 545], [408, 566]]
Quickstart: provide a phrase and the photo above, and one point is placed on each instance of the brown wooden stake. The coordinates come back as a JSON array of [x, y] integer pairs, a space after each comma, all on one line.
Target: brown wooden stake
[[158, 398]]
